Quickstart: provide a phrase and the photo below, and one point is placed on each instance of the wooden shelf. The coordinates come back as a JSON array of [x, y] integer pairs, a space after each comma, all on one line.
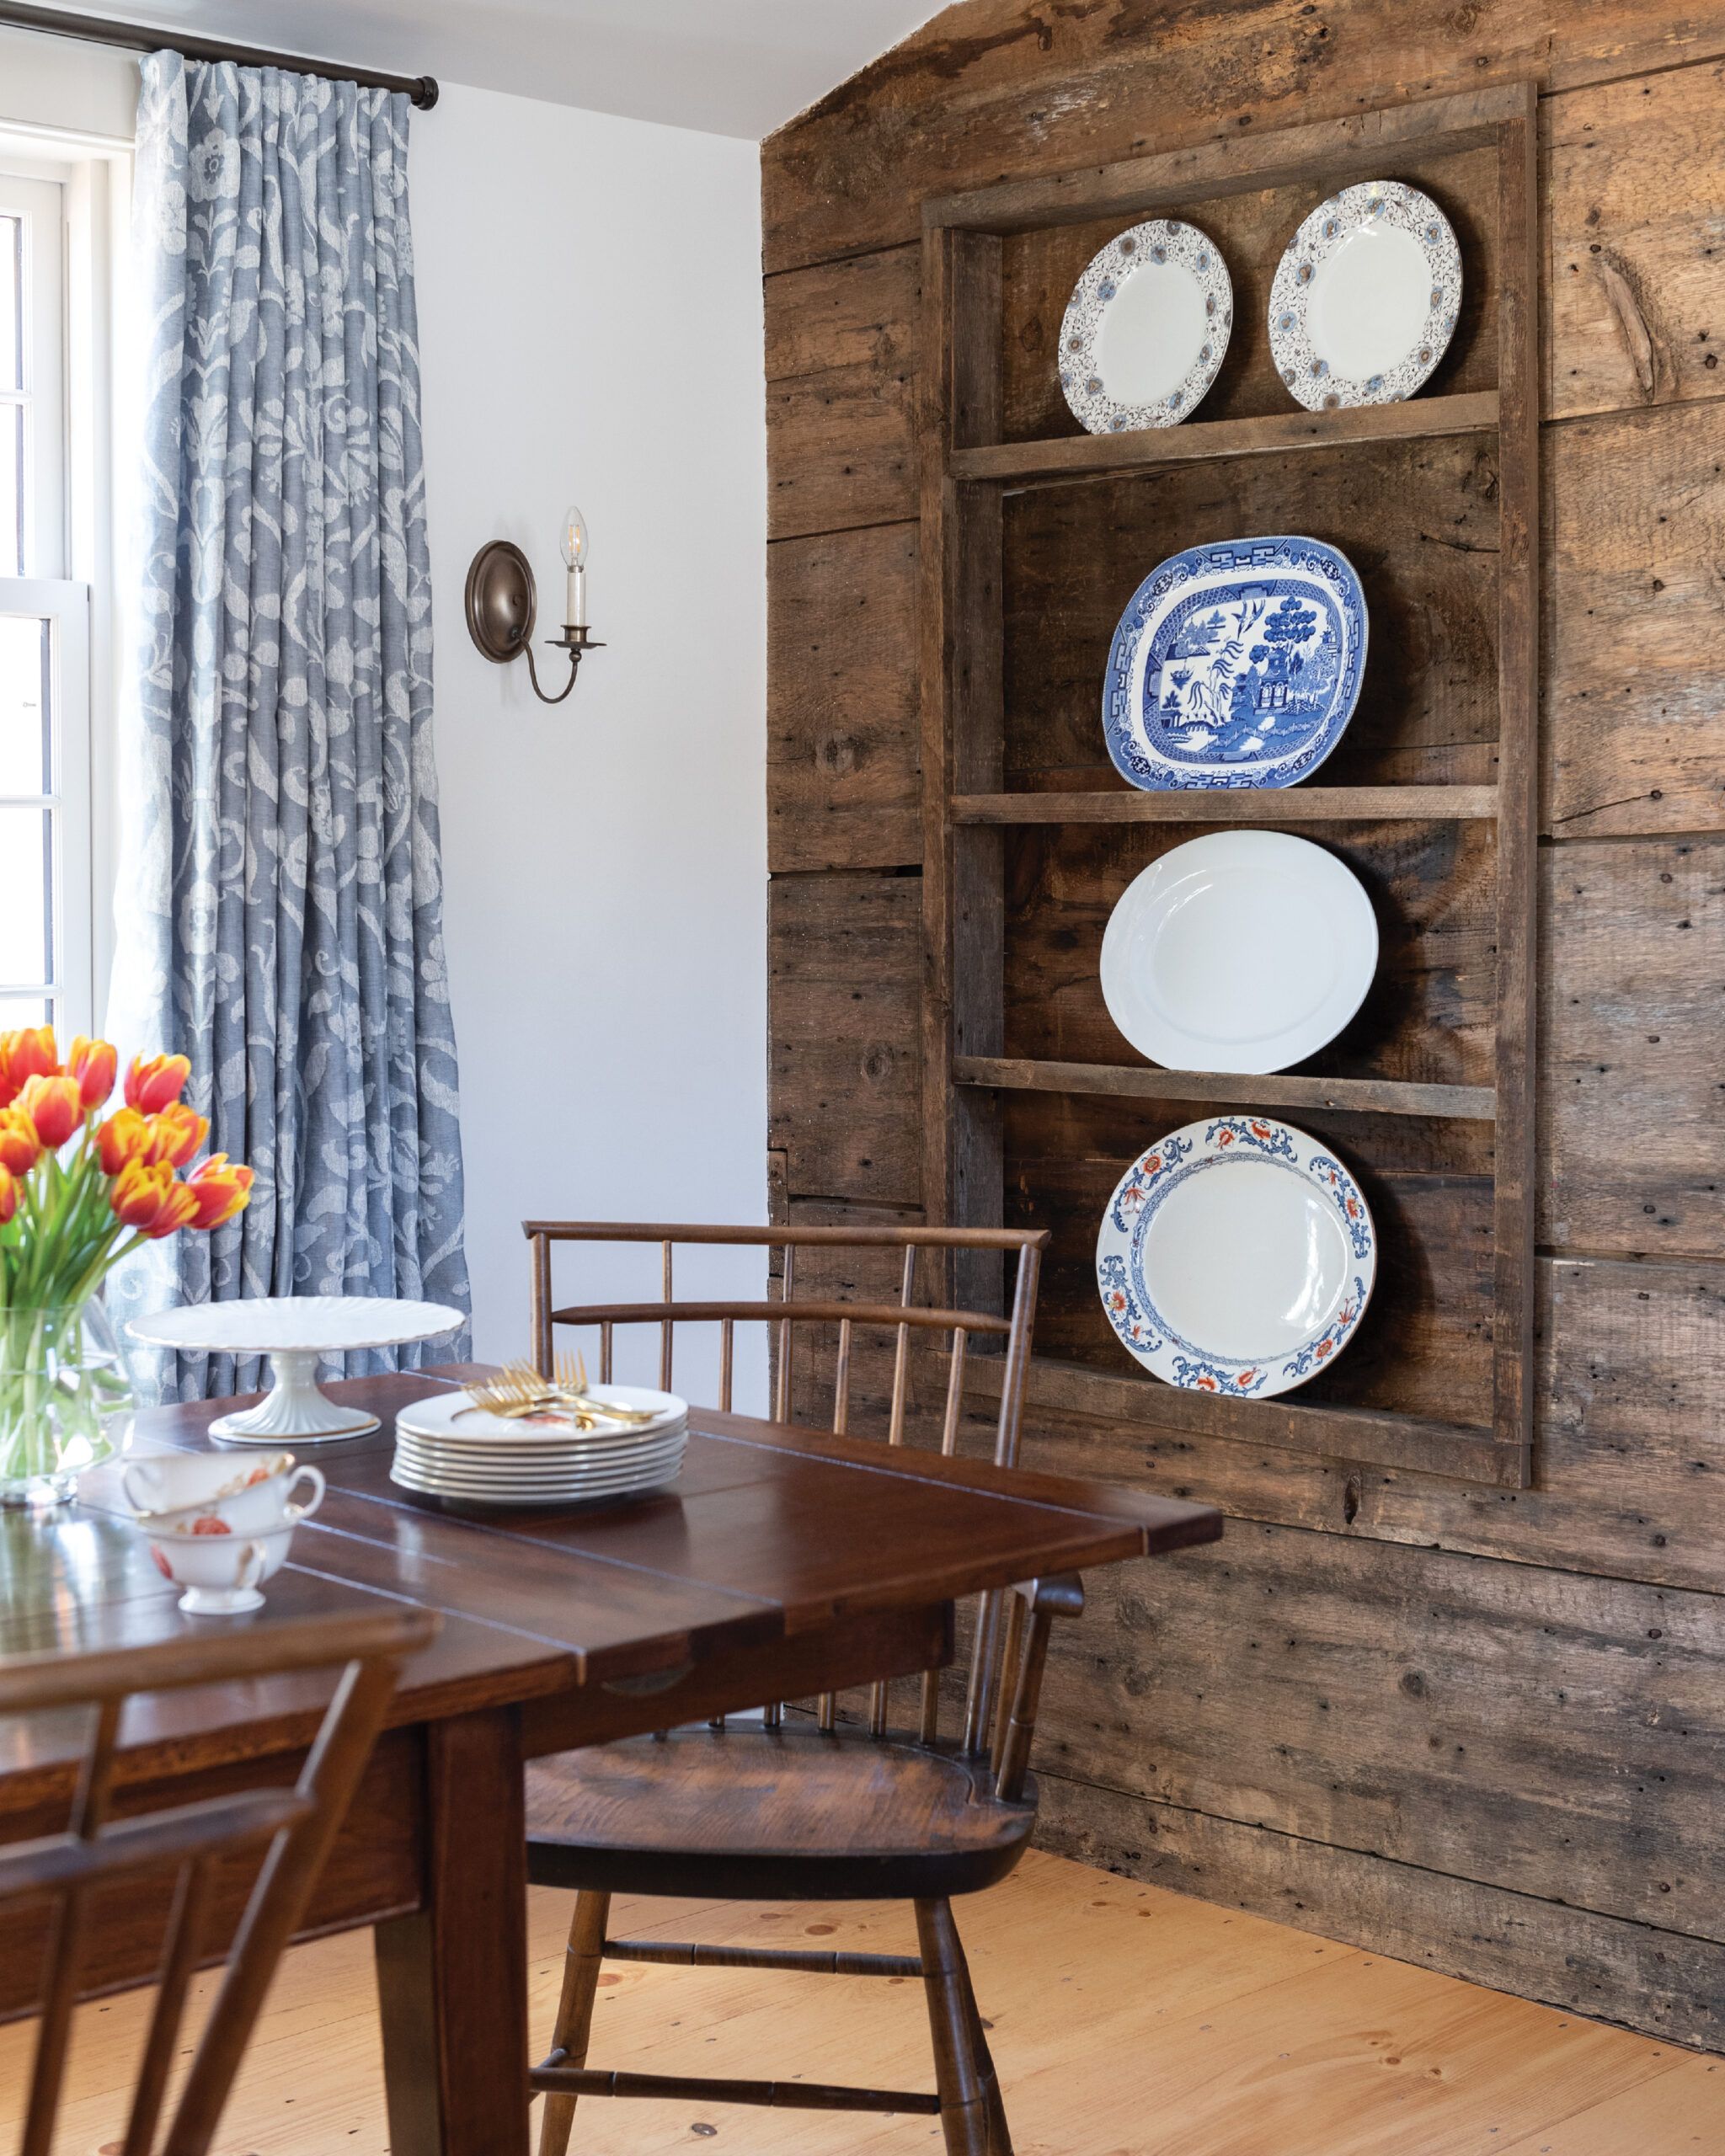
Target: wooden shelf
[[1094, 457], [1150, 1082], [976, 965], [1459, 1450], [1291, 804]]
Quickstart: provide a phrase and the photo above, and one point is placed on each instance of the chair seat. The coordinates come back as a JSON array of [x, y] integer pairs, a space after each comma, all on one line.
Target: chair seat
[[771, 1814]]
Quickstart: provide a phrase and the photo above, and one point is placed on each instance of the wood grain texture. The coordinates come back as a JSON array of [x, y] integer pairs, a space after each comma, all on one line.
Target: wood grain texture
[[1634, 195], [843, 780], [1631, 1362], [845, 1068], [841, 360], [1635, 682], [1559, 1736], [1042, 91], [1633, 997], [1384, 2054], [1669, 1985]]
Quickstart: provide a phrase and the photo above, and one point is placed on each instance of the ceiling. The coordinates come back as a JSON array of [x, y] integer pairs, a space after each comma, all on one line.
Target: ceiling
[[728, 67]]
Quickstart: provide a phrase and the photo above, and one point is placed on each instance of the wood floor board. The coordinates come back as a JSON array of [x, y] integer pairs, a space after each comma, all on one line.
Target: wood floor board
[[1127, 2021]]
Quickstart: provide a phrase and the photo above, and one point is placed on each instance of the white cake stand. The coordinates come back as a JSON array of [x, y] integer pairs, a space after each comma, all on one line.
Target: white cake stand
[[294, 1331]]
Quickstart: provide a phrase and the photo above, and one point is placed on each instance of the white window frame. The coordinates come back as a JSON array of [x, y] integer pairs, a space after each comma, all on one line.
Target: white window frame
[[66, 607], [75, 189]]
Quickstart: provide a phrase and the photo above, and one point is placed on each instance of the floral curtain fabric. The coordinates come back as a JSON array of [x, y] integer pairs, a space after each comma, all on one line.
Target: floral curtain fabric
[[281, 892]]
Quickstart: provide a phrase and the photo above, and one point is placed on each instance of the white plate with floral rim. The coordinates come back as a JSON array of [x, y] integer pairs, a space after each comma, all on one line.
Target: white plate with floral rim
[[1236, 1257], [1364, 301], [1238, 951], [1145, 328]]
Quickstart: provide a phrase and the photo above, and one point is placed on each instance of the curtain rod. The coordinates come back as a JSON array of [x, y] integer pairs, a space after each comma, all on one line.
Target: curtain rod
[[151, 37]]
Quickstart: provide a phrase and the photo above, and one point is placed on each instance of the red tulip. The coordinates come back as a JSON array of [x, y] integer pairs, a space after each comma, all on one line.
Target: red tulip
[[53, 1106], [8, 1195], [155, 1082], [152, 1199], [221, 1191], [30, 1053], [125, 1136], [94, 1065], [176, 1132], [20, 1148]]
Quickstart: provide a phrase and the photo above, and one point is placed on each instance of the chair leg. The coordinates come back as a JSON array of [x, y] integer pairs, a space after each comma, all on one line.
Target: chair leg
[[1000, 2137], [575, 2013], [966, 2117]]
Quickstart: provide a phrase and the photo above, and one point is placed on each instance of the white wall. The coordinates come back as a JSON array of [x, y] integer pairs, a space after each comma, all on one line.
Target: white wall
[[590, 313]]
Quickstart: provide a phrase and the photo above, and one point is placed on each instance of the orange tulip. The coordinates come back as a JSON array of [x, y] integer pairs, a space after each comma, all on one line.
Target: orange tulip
[[125, 1136], [221, 1191], [8, 1195], [153, 1083], [175, 1134], [94, 1065], [20, 1148], [30, 1053], [53, 1106], [152, 1199]]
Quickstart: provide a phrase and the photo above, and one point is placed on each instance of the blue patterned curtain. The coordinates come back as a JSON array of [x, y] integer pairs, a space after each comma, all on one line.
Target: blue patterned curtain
[[280, 895]]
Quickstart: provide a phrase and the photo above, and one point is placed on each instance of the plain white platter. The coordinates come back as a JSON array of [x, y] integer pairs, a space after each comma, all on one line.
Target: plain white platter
[[1240, 951]]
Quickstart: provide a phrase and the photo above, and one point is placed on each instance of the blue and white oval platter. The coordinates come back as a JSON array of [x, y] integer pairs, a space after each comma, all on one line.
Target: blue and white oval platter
[[1237, 664]]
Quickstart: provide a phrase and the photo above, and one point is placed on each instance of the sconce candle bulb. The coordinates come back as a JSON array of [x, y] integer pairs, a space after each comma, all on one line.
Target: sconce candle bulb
[[574, 555]]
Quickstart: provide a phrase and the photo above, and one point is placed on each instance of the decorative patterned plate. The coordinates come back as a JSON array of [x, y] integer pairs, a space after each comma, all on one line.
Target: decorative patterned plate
[[1237, 664], [1236, 1257], [1145, 328], [1238, 951], [1364, 302]]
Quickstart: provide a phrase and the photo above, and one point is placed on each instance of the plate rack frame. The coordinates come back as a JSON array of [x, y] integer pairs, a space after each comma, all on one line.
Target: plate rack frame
[[965, 471]]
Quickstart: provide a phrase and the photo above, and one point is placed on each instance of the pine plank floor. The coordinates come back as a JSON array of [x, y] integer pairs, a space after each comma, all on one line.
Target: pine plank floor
[[1127, 2021]]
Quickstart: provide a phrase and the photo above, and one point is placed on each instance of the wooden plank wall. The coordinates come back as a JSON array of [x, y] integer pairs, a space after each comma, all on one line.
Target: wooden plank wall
[[1480, 1728]]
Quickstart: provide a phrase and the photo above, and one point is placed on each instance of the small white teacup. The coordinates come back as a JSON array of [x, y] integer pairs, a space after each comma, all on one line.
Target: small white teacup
[[214, 1494], [220, 1572]]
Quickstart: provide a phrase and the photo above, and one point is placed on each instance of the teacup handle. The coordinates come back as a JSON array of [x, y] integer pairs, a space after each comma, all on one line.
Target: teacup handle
[[141, 1504], [307, 1473], [251, 1566]]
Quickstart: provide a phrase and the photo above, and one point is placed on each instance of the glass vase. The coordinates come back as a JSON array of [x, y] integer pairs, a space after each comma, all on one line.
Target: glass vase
[[66, 1399]]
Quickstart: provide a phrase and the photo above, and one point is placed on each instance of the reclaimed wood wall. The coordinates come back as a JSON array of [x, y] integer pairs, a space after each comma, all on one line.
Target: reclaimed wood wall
[[1480, 1728]]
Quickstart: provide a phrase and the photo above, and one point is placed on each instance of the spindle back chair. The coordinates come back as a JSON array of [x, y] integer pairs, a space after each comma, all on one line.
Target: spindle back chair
[[291, 1827], [797, 1808]]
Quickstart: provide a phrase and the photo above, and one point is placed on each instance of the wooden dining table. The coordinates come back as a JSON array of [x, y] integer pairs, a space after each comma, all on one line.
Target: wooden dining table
[[783, 1562]]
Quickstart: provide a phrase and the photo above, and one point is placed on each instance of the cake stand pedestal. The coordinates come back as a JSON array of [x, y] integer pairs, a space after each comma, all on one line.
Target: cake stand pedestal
[[294, 1331]]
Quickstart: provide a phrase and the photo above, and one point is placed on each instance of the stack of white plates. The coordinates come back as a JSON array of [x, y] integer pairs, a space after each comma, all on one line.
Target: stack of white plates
[[447, 1448]]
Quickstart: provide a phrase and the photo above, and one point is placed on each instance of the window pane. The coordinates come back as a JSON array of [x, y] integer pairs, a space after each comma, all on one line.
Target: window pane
[[26, 923], [11, 303], [26, 732], [12, 503], [16, 1011]]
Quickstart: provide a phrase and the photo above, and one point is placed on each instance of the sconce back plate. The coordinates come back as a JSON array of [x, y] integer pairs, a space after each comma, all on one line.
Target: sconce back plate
[[501, 600]]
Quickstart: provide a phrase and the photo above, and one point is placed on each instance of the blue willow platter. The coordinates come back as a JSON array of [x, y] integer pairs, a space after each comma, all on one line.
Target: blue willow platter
[[1237, 664]]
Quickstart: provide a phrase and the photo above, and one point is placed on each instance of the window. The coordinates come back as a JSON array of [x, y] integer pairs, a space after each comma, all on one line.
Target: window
[[45, 966]]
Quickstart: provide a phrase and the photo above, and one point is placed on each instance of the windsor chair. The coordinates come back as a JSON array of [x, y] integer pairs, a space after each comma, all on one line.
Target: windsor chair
[[810, 1804], [289, 1828]]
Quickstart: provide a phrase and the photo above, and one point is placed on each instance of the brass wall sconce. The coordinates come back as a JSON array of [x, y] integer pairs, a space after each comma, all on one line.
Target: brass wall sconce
[[502, 602]]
